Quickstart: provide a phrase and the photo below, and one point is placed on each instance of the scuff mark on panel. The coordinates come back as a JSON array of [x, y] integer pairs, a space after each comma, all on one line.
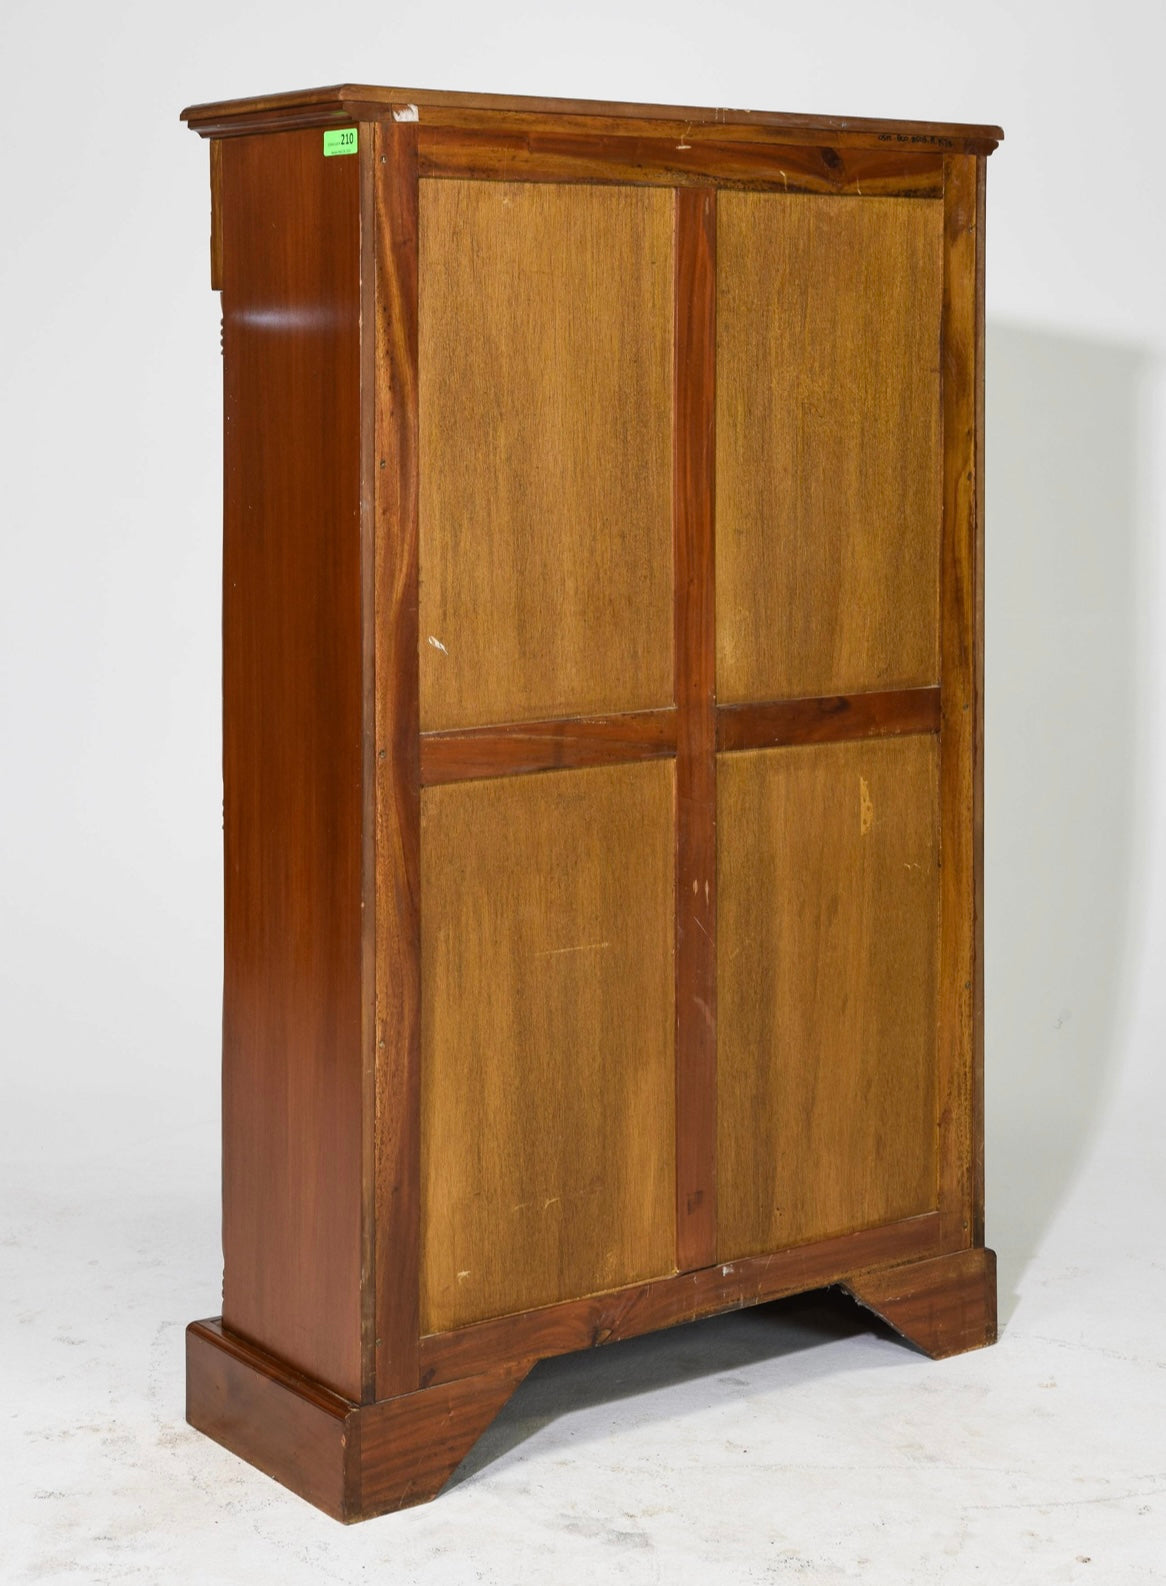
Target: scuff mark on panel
[[583, 947], [865, 807]]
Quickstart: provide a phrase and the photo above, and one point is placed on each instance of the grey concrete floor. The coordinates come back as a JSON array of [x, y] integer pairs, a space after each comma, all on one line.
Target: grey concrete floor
[[790, 1443]]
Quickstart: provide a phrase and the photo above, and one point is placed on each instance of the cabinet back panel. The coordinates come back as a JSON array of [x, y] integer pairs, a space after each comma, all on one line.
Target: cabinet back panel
[[828, 444], [547, 1009], [826, 990], [545, 392]]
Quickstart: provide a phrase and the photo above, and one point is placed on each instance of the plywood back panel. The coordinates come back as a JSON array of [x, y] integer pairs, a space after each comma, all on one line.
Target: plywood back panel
[[828, 443], [547, 1081], [826, 969], [545, 389]]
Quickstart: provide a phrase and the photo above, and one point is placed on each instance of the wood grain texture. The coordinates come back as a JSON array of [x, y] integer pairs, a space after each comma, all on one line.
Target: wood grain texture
[[960, 1051], [545, 395], [549, 156], [828, 445], [216, 216], [349, 1460], [284, 1424], [693, 500], [977, 1108], [349, 102], [398, 790], [826, 959], [540, 124], [292, 721], [840, 716], [411, 1446], [944, 1306], [548, 1074], [519, 747], [370, 1064], [599, 1319], [674, 124]]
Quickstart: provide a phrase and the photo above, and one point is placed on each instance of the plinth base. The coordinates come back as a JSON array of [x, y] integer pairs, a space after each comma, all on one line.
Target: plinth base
[[355, 1461]]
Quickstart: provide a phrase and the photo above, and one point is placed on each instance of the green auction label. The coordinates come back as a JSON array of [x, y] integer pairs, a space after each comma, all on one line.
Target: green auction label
[[343, 142]]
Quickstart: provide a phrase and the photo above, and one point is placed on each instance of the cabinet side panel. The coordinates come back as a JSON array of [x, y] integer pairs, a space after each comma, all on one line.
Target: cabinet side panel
[[398, 767], [292, 753], [826, 964], [961, 734]]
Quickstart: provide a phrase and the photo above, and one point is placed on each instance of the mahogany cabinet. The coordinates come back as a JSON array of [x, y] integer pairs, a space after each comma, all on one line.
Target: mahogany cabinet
[[601, 748]]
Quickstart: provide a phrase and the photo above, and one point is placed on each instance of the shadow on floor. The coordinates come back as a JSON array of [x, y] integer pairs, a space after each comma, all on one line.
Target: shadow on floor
[[1066, 546], [714, 1349]]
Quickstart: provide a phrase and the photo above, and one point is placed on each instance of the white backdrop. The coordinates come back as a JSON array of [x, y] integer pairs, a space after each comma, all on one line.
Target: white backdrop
[[110, 521]]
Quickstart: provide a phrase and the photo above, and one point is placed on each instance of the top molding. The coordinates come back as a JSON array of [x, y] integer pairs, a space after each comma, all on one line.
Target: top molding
[[357, 102]]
